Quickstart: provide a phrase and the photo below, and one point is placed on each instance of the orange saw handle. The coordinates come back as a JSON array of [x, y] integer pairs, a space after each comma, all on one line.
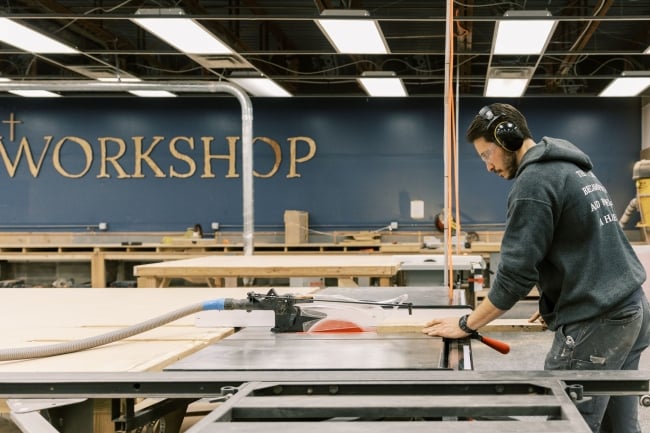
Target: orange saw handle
[[497, 345]]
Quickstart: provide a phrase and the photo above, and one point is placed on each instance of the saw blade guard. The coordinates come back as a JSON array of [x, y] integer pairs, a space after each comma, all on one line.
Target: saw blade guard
[[342, 317]]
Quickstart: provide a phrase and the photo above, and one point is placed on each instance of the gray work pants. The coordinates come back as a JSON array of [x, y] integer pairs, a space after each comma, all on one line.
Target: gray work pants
[[613, 341]]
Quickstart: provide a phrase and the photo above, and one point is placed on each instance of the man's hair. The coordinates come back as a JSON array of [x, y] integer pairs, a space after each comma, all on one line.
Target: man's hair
[[479, 126]]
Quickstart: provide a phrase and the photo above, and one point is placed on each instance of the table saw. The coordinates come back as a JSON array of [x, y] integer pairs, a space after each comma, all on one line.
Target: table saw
[[364, 381], [365, 341]]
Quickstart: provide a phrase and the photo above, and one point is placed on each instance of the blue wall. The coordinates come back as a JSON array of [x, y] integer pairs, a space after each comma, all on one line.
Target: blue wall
[[373, 156]]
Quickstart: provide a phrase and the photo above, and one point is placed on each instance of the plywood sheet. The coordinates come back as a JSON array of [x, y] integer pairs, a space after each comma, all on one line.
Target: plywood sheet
[[33, 317]]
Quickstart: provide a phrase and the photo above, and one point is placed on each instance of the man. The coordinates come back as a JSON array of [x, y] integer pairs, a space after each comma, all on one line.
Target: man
[[563, 237]]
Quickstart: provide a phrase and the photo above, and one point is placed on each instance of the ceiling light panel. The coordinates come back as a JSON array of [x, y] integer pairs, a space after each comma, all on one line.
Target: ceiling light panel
[[526, 36], [382, 84], [628, 84], [260, 86], [355, 35], [508, 81], [505, 87], [20, 36], [152, 93], [185, 34], [35, 93]]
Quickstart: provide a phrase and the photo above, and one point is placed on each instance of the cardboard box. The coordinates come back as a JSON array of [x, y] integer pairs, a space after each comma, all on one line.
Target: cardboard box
[[296, 227]]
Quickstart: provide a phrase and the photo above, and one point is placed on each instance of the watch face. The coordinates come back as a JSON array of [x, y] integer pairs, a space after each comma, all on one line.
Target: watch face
[[462, 324]]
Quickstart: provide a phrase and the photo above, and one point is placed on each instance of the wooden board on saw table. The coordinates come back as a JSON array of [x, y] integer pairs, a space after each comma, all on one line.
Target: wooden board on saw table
[[419, 318]]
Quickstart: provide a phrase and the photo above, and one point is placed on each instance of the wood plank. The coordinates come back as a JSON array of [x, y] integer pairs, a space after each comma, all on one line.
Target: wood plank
[[259, 266], [419, 319], [481, 294], [401, 248], [507, 325], [399, 321]]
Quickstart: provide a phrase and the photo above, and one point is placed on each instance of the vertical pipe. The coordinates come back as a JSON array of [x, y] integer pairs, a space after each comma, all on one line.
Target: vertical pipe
[[248, 204]]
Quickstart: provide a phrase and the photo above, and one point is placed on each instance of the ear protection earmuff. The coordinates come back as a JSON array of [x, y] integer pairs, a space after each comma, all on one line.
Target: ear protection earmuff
[[506, 133]]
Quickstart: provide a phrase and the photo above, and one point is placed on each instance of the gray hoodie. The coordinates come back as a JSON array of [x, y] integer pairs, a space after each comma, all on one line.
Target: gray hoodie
[[562, 234]]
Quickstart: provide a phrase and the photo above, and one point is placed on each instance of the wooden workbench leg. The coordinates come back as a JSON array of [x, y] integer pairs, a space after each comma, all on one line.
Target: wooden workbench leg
[[363, 281], [147, 282], [92, 415], [97, 270], [384, 281], [346, 282], [215, 282]]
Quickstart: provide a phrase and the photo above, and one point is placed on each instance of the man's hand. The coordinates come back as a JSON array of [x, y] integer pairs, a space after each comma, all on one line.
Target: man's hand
[[444, 327], [448, 326], [536, 317]]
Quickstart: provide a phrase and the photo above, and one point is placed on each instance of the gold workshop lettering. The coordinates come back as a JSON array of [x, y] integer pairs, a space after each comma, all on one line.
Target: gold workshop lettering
[[140, 157]]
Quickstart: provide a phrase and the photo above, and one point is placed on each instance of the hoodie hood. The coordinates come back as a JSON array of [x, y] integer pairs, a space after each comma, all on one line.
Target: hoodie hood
[[555, 149]]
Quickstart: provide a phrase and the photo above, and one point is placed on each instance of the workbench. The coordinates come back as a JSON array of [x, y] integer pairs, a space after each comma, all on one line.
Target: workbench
[[215, 269], [100, 258]]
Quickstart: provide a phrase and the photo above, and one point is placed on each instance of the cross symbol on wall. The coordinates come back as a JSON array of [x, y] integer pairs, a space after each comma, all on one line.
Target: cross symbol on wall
[[12, 125]]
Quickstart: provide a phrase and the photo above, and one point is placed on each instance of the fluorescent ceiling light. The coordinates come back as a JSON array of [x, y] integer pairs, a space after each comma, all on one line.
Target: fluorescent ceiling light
[[359, 35], [27, 39], [260, 86], [507, 82], [525, 36], [112, 76], [380, 84], [152, 93], [185, 34], [506, 87], [30, 93], [145, 93], [119, 80], [628, 84], [35, 93]]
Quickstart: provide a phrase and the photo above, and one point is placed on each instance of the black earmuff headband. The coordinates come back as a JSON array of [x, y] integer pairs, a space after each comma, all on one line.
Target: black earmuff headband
[[506, 134]]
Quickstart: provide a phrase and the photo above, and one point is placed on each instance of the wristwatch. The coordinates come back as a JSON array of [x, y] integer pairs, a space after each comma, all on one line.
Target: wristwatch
[[462, 324]]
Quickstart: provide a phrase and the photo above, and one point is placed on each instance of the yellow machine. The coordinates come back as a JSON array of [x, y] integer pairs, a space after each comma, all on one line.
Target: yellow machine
[[641, 177]]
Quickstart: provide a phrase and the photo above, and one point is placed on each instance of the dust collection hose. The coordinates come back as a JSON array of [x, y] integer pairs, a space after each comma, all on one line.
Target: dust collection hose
[[12, 354], [631, 208]]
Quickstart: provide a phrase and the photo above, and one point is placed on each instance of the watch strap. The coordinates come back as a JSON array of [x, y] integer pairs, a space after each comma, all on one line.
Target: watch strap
[[462, 324]]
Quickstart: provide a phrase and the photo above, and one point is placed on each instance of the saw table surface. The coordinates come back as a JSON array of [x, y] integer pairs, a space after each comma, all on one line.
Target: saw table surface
[[257, 348]]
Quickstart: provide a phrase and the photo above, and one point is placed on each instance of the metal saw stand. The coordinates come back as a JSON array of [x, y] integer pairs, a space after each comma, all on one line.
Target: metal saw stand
[[419, 406], [323, 401]]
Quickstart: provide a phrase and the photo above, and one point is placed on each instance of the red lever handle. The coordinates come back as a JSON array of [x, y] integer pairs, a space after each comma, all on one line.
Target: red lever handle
[[497, 345]]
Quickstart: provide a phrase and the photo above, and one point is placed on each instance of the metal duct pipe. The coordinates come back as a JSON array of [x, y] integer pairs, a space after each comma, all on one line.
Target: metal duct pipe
[[186, 86]]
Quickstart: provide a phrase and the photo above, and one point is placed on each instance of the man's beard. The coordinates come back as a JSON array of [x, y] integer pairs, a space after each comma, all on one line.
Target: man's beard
[[510, 165]]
